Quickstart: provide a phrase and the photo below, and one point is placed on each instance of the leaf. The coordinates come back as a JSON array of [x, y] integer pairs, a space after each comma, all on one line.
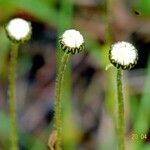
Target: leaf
[[143, 6], [52, 140], [38, 8]]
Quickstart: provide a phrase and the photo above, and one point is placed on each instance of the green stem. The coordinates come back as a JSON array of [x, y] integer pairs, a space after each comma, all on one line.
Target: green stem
[[58, 89], [12, 97], [108, 31], [121, 130]]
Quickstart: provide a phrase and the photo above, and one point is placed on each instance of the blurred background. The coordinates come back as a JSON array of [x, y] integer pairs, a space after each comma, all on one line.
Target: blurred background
[[88, 98]]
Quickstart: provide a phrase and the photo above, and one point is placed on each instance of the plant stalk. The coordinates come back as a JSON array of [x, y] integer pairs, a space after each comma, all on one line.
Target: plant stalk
[[59, 83], [121, 130], [12, 96]]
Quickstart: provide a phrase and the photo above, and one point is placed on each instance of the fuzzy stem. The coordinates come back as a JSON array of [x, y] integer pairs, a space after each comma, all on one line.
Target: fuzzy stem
[[58, 89], [121, 138], [12, 96]]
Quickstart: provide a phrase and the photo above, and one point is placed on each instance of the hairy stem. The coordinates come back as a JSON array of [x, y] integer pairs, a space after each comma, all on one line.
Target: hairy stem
[[121, 130], [12, 97], [59, 82]]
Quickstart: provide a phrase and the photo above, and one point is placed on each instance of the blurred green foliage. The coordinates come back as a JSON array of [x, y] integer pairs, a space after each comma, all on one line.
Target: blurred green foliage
[[143, 7], [44, 10]]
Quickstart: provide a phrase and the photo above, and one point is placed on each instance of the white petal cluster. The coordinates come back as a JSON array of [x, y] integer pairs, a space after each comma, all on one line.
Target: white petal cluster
[[18, 29], [72, 38], [123, 54], [72, 42]]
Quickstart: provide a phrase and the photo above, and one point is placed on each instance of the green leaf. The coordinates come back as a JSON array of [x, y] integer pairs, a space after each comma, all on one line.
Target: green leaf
[[38, 8], [143, 6], [4, 126]]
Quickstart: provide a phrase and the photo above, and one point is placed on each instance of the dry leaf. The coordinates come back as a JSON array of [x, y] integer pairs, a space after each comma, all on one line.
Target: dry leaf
[[52, 140]]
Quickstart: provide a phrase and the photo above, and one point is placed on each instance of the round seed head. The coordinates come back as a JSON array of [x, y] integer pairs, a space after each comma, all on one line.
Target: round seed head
[[72, 41], [18, 30], [123, 55]]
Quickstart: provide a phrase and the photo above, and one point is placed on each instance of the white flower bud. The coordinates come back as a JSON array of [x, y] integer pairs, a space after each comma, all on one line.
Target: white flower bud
[[123, 55], [18, 30], [72, 41]]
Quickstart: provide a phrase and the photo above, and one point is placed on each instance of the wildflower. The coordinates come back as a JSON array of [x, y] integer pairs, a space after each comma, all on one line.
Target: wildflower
[[18, 30], [123, 55], [72, 41]]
